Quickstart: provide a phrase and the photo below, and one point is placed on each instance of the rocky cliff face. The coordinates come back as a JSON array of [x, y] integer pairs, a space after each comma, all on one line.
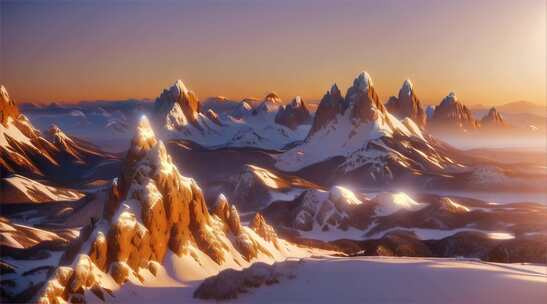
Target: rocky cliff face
[[453, 114], [407, 104], [293, 114], [153, 210]]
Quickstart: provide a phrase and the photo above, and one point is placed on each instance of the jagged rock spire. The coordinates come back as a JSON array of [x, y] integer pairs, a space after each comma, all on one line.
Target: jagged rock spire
[[452, 113], [8, 108], [407, 104], [177, 106]]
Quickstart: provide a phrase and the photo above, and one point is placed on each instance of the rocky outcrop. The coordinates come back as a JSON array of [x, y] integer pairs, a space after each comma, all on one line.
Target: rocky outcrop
[[229, 283], [452, 114], [294, 114], [153, 210], [213, 116], [407, 104], [493, 119]]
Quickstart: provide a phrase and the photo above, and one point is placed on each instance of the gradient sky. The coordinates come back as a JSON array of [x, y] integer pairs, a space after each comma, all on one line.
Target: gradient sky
[[488, 52]]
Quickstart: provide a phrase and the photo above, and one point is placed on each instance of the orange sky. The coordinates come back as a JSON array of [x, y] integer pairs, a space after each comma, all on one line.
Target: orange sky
[[488, 52]]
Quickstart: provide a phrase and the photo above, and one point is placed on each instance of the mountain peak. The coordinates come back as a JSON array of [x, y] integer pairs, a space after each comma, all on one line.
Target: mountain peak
[[334, 90], [273, 97], [179, 88], [297, 101], [363, 81], [407, 87], [144, 137], [4, 93], [7, 106]]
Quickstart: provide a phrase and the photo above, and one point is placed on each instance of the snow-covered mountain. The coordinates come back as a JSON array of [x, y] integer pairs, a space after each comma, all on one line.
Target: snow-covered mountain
[[156, 219], [55, 155], [355, 135], [178, 111], [407, 104]]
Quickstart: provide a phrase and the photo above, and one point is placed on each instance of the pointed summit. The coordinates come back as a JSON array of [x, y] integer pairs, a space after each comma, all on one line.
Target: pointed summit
[[452, 113], [273, 97], [177, 106], [8, 108], [144, 137], [407, 104], [363, 81], [407, 87], [334, 90], [331, 105], [179, 88], [270, 104], [362, 101]]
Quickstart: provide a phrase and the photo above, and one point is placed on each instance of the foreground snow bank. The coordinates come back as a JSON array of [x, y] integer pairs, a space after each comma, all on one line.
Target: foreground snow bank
[[405, 280], [325, 279]]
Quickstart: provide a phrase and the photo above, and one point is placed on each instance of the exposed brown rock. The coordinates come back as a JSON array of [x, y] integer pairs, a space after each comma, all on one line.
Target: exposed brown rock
[[331, 105], [407, 104], [98, 251], [451, 113], [259, 225], [173, 215]]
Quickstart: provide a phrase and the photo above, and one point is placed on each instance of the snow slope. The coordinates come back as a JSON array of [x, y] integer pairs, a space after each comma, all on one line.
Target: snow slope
[[405, 280], [324, 279]]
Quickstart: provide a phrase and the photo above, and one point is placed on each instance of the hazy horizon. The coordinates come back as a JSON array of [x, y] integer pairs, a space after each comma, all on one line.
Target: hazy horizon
[[68, 51]]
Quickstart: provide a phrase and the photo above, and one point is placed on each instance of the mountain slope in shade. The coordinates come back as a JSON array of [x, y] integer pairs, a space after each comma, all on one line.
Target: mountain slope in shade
[[357, 136], [451, 114], [247, 126], [26, 151], [407, 105], [156, 215]]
